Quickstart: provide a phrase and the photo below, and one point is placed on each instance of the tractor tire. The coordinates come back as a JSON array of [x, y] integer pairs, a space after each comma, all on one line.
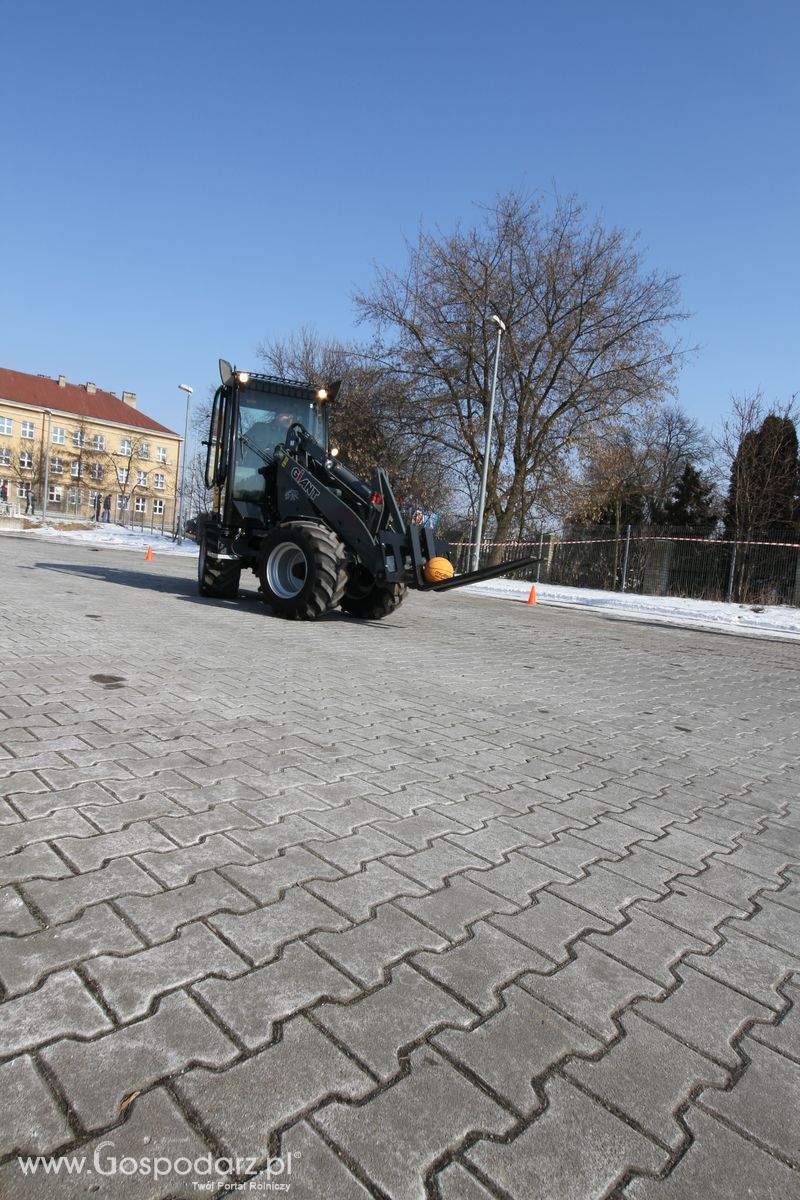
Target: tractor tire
[[303, 570], [216, 577], [379, 602]]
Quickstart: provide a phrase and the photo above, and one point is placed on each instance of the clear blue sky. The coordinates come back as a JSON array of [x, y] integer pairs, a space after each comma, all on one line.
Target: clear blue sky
[[182, 180]]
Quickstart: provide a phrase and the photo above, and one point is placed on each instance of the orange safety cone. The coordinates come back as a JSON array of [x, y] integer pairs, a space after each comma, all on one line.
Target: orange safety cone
[[532, 596], [149, 556]]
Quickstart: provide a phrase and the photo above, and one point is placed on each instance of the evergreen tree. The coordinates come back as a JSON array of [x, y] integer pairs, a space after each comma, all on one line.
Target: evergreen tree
[[764, 490], [691, 502]]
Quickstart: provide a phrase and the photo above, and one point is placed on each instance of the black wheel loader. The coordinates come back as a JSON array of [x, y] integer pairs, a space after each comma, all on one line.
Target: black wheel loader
[[317, 537]]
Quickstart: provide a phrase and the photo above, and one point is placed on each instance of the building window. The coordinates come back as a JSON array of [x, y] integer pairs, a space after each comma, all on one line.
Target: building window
[[27, 429], [125, 447], [76, 470], [158, 508], [122, 502], [94, 497], [5, 456], [23, 490], [55, 494], [161, 454], [159, 481], [56, 465], [98, 442], [140, 504], [144, 450], [59, 435], [6, 425], [96, 470], [141, 478], [122, 475], [74, 497], [26, 460], [78, 439]]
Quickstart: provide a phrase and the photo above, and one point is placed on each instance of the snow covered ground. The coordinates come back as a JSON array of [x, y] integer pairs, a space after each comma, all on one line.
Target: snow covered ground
[[116, 537], [769, 620]]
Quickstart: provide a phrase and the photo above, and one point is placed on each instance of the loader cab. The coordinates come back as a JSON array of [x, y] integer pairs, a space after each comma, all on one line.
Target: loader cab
[[250, 416]]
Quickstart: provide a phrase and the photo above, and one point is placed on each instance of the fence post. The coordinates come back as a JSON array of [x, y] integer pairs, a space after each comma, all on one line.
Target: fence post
[[541, 548], [625, 560], [730, 574]]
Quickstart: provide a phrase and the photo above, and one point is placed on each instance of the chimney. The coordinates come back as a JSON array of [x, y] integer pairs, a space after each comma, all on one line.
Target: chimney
[[91, 389], [62, 382], [129, 398]]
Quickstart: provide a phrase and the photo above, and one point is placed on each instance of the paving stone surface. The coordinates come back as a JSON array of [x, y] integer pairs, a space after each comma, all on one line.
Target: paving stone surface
[[480, 901]]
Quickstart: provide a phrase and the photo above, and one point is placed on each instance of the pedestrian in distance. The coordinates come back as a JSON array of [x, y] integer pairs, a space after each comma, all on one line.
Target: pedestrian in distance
[[30, 502], [107, 510], [97, 507], [4, 497]]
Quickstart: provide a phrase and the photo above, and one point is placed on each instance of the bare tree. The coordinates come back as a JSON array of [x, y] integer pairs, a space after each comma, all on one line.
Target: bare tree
[[588, 340], [368, 420]]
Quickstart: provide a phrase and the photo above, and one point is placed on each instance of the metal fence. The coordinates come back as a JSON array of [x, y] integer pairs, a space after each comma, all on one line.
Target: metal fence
[[760, 568]]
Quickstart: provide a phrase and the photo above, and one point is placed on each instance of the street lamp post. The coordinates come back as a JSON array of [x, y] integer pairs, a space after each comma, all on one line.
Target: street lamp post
[[46, 488], [487, 446], [183, 387]]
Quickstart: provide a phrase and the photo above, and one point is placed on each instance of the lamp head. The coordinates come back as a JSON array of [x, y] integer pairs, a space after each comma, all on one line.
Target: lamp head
[[494, 317], [184, 387]]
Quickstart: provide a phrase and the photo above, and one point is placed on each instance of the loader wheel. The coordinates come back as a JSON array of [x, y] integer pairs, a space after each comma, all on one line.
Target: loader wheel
[[303, 571], [216, 577], [377, 603]]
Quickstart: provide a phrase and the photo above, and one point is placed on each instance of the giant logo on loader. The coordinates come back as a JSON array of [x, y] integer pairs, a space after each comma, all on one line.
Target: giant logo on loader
[[300, 478]]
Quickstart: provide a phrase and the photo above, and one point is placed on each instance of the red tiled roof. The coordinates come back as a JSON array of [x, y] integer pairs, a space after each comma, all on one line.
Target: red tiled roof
[[39, 391]]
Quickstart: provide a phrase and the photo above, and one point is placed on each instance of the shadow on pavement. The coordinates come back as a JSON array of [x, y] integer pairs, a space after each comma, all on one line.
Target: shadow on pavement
[[152, 581], [177, 585]]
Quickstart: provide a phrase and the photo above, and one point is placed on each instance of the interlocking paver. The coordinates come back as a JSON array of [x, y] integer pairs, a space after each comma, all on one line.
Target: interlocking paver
[[96, 1076], [251, 1004], [376, 1027], [33, 1121], [550, 924], [460, 903], [158, 915], [435, 1102], [266, 881], [515, 1046], [356, 895], [367, 949], [649, 1076], [61, 899], [317, 1171], [89, 853], [592, 989], [155, 1130], [261, 934], [25, 960], [130, 984], [61, 1007], [750, 966], [763, 1103], [174, 867], [476, 969], [575, 1145], [244, 1105], [706, 1015], [785, 1036], [15, 916], [720, 1164]]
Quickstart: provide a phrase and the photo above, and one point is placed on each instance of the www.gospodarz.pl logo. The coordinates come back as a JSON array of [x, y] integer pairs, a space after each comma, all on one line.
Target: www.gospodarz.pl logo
[[206, 1172]]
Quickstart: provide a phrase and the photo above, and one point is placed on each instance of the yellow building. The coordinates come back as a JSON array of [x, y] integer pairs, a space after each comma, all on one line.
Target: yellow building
[[94, 452]]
